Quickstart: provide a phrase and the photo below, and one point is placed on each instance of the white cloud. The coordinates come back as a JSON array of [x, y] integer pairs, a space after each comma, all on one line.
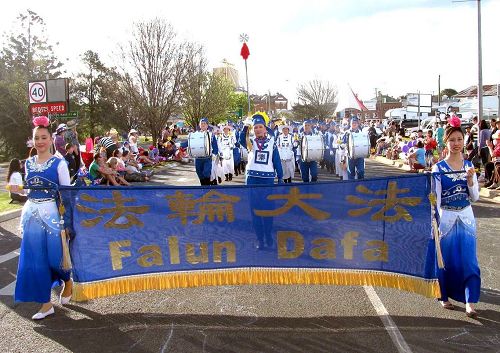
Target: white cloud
[[397, 50]]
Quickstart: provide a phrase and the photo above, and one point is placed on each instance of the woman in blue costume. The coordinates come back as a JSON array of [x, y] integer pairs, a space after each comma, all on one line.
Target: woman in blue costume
[[460, 279], [41, 257], [264, 165]]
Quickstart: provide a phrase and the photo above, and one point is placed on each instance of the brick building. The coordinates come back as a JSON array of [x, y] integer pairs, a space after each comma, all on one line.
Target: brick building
[[270, 103]]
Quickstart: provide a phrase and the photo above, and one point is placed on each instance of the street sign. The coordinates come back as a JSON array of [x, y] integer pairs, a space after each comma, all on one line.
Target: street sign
[[68, 115], [48, 108], [37, 92]]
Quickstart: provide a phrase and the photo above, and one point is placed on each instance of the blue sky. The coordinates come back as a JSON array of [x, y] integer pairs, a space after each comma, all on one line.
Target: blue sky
[[395, 46]]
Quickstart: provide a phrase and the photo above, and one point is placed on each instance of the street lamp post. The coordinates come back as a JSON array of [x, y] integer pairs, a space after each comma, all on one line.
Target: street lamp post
[[479, 63]]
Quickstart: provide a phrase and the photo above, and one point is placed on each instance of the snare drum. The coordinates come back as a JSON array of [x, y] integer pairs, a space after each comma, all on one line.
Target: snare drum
[[312, 148], [199, 144], [358, 145]]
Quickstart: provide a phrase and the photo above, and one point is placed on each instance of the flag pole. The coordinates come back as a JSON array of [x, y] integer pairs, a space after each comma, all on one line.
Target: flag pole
[[245, 52], [248, 91]]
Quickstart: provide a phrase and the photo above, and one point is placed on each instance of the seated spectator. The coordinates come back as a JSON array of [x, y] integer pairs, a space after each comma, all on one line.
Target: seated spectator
[[100, 173], [143, 158], [131, 166], [15, 182], [170, 149], [417, 158], [114, 166]]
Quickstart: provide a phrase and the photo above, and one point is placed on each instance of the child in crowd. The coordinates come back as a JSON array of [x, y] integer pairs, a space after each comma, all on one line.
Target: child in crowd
[[113, 165], [417, 158], [143, 158]]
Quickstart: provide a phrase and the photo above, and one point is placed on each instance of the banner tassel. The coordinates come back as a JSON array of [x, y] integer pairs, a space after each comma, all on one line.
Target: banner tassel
[[435, 231]]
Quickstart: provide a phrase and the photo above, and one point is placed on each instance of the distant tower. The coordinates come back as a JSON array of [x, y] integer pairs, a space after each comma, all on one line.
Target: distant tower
[[228, 71]]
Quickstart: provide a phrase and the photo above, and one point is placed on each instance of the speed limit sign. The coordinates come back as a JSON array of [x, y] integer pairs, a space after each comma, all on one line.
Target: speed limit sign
[[37, 92]]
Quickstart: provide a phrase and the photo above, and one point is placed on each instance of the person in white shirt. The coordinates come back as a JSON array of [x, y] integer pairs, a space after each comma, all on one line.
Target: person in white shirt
[[285, 149], [15, 182]]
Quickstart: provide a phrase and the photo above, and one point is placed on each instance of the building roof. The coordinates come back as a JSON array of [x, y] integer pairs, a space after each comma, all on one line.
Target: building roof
[[488, 90]]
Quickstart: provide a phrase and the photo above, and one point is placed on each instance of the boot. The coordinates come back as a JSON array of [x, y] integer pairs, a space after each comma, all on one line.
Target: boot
[[227, 178], [219, 179], [230, 176], [289, 180]]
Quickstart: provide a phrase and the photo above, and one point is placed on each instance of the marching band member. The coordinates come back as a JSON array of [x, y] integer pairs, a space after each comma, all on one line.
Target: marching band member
[[264, 162], [263, 166], [341, 155], [227, 142], [285, 149], [204, 165], [355, 166], [332, 146], [217, 172], [308, 170]]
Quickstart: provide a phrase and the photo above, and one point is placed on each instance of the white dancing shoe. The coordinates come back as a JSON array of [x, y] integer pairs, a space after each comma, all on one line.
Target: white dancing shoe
[[40, 316], [64, 300]]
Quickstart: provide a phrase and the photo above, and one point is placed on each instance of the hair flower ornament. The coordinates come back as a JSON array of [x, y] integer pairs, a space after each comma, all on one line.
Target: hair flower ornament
[[454, 121], [41, 121]]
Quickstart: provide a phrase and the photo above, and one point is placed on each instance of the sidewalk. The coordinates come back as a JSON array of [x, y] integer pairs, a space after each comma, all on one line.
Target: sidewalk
[[485, 194]]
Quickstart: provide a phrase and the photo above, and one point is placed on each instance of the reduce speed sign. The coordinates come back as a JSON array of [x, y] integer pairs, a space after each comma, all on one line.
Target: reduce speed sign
[[37, 92]]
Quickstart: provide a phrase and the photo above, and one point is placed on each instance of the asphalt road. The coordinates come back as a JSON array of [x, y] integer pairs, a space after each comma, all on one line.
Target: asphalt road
[[258, 318]]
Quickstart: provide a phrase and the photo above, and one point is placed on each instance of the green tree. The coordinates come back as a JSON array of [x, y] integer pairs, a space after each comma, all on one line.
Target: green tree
[[449, 92], [26, 56], [237, 101]]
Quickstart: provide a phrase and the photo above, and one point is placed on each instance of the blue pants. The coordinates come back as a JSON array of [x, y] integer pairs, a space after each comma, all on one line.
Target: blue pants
[[309, 168], [258, 201], [203, 167], [354, 166]]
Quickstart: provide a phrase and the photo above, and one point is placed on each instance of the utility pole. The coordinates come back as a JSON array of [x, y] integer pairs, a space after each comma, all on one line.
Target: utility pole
[[439, 90], [479, 64], [498, 95]]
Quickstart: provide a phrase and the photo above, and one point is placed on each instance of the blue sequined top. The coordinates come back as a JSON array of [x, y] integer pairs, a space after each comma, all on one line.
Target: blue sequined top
[[454, 189], [42, 175]]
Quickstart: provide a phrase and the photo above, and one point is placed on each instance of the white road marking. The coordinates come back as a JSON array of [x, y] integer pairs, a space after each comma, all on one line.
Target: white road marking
[[8, 256], [182, 179], [390, 326], [8, 290]]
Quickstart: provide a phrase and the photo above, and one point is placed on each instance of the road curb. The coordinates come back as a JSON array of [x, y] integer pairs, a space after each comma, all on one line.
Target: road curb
[[485, 194], [7, 216]]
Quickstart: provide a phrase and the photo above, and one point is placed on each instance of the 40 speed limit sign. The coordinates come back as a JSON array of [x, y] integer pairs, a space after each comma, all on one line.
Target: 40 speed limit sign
[[37, 92]]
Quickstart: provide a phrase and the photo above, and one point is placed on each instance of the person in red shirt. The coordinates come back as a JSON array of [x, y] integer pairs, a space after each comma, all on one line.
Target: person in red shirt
[[430, 145]]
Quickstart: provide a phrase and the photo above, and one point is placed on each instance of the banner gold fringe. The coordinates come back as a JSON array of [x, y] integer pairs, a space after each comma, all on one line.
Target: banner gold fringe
[[248, 276]]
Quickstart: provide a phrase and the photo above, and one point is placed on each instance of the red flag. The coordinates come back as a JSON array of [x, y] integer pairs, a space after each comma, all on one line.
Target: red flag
[[245, 52]]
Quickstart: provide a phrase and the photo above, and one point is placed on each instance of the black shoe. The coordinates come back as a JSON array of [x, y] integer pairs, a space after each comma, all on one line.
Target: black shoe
[[230, 176], [219, 179], [488, 184]]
